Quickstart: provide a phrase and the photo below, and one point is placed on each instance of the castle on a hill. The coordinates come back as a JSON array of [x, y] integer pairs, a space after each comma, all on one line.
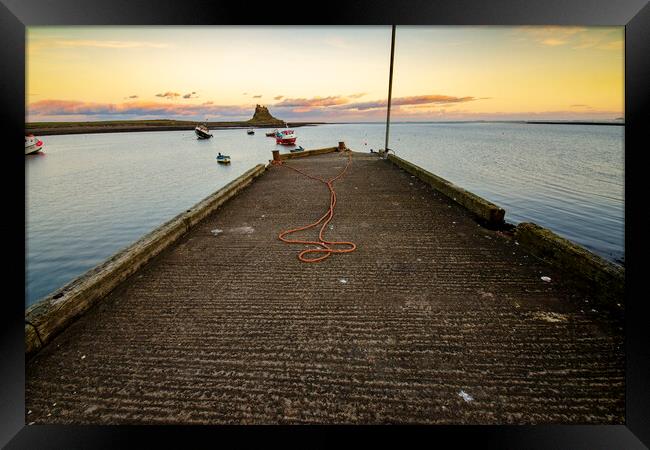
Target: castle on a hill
[[262, 116]]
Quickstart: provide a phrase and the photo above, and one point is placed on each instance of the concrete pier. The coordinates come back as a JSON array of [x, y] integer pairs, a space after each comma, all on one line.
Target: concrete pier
[[433, 319]]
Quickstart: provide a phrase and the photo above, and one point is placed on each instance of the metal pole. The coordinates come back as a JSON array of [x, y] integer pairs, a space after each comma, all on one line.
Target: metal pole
[[390, 86]]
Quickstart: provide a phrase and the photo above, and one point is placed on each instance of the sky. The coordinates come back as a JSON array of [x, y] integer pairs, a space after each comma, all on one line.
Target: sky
[[329, 74]]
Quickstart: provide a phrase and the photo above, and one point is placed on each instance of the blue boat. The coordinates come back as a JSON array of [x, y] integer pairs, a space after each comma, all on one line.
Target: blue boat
[[223, 159], [299, 149]]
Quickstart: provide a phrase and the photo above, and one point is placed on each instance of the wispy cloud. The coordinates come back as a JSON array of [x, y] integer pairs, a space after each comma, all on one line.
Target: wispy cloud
[[191, 95], [573, 37], [169, 95], [312, 102], [359, 95], [136, 108], [551, 35], [278, 97], [432, 99], [257, 96], [340, 103]]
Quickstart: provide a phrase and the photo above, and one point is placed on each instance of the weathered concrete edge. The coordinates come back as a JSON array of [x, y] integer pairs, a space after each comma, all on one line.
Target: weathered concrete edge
[[52, 314], [488, 212], [302, 154], [604, 280]]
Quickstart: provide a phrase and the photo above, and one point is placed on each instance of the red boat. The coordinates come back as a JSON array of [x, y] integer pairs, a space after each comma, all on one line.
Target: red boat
[[285, 137], [32, 144]]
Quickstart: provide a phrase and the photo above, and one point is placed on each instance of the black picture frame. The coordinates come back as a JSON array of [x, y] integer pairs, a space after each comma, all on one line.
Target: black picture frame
[[16, 15]]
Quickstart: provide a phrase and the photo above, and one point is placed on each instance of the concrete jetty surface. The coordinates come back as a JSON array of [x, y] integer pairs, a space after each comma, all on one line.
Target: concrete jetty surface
[[433, 319]]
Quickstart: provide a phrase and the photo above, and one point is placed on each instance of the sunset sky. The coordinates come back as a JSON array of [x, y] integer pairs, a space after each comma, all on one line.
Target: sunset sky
[[331, 74]]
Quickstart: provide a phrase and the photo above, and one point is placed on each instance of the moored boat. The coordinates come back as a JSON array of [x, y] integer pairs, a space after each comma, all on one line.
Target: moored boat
[[285, 137], [223, 159], [33, 145], [202, 131], [250, 131], [297, 149], [272, 133]]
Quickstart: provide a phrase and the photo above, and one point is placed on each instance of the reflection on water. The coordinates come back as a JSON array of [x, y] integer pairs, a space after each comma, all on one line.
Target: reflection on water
[[91, 195]]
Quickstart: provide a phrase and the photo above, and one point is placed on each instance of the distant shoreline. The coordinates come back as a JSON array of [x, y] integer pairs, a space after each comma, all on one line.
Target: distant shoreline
[[522, 122], [540, 122], [59, 128]]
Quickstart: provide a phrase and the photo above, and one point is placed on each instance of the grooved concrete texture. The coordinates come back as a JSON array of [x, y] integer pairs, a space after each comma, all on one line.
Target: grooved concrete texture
[[55, 312], [432, 320]]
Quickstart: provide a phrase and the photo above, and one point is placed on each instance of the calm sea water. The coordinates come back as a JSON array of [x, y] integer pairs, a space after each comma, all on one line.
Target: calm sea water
[[91, 195]]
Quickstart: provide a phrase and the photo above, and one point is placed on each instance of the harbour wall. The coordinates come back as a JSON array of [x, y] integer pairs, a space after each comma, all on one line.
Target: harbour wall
[[55, 312], [488, 213], [304, 153], [604, 280]]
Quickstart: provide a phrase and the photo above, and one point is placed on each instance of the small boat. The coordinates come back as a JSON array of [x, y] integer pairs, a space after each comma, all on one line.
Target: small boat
[[299, 149], [272, 133], [285, 137], [202, 131], [250, 131], [32, 144], [223, 159]]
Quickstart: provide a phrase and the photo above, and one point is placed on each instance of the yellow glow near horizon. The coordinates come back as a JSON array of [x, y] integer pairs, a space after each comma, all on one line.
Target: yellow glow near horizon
[[186, 59], [529, 72], [328, 73]]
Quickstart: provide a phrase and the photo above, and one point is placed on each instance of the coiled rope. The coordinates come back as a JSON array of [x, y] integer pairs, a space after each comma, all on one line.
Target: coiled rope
[[326, 248]]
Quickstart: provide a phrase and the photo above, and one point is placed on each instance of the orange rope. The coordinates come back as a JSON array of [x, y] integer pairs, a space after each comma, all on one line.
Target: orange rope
[[326, 247]]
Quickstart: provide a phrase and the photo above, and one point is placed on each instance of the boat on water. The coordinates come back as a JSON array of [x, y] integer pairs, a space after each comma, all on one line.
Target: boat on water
[[250, 131], [33, 145], [202, 131], [272, 133], [223, 159], [297, 149], [285, 137]]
